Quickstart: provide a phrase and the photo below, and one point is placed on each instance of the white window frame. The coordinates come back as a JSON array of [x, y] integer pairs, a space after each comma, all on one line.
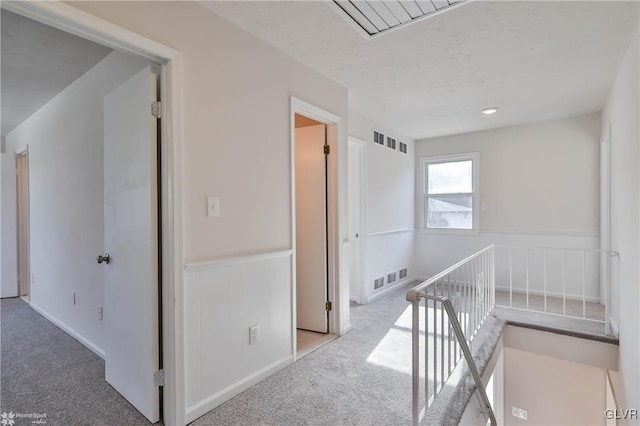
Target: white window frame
[[474, 157]]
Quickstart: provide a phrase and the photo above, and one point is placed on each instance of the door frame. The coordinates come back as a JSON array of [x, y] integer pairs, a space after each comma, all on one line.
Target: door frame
[[69, 19], [362, 145], [298, 106], [25, 222]]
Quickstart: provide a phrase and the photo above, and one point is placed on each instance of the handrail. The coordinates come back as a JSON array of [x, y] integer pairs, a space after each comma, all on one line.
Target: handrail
[[412, 294], [457, 328], [612, 253], [471, 284]]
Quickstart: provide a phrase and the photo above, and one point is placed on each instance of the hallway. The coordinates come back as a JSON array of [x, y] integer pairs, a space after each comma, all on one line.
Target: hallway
[[46, 371]]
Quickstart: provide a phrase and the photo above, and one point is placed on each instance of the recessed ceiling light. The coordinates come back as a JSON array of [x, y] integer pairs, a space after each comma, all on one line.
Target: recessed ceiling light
[[489, 111]]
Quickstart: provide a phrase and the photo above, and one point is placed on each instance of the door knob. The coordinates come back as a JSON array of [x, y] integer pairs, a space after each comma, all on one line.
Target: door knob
[[106, 258]]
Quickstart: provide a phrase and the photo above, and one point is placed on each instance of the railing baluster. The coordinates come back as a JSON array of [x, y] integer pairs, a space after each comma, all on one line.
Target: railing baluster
[[527, 278], [510, 277], [564, 282], [544, 294], [584, 278], [426, 350], [449, 369], [442, 380], [435, 345], [415, 357]]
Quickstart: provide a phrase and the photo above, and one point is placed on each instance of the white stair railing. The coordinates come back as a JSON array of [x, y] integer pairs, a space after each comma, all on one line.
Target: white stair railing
[[465, 292], [570, 282]]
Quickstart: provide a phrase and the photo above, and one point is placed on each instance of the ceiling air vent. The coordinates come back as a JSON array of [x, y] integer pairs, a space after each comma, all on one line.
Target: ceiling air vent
[[379, 16]]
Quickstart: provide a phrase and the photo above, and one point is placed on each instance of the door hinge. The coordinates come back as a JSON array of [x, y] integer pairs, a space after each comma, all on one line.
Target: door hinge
[[327, 305], [327, 150], [156, 109], [158, 378]]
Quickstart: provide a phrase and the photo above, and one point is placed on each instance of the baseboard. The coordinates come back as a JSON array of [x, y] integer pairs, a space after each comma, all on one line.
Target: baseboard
[[70, 331], [201, 408], [552, 294], [386, 290]]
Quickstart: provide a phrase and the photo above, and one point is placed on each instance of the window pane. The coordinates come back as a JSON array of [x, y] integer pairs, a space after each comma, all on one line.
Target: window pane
[[449, 211], [452, 177]]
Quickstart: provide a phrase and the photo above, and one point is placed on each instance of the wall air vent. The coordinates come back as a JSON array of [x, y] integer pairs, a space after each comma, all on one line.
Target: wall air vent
[[379, 16], [391, 142], [402, 273], [378, 137], [378, 282], [402, 147], [391, 277]]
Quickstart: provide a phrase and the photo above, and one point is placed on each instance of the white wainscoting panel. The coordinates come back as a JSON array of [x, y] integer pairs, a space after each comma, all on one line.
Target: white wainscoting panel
[[388, 252], [222, 301]]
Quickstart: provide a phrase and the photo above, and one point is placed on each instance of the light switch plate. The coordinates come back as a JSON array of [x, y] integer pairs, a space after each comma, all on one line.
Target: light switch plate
[[213, 206]]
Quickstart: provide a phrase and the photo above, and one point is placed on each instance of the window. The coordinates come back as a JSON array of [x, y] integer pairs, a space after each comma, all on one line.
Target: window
[[450, 193]]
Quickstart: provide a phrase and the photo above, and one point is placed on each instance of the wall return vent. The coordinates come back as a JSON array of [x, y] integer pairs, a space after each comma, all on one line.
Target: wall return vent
[[379, 16]]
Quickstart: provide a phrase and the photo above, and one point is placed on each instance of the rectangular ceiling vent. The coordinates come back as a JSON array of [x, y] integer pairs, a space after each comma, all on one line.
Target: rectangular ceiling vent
[[378, 137], [379, 16]]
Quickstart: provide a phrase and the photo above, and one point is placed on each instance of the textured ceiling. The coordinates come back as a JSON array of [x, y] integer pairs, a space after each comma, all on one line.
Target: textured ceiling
[[536, 60], [38, 62]]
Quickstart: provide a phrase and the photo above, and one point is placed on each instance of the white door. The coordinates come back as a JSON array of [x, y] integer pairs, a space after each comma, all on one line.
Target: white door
[[131, 240], [355, 236], [311, 229]]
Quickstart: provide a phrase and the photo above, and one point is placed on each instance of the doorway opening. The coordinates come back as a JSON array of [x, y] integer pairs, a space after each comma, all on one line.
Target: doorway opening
[[22, 203], [312, 259], [89, 193], [312, 143]]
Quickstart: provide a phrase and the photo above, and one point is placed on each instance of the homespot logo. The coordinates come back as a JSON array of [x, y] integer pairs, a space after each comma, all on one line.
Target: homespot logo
[[10, 418], [622, 414]]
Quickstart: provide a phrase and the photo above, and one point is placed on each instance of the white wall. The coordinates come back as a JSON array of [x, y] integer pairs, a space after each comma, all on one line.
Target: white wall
[[9, 286], [540, 184], [66, 152], [621, 113], [228, 76], [390, 201], [552, 391]]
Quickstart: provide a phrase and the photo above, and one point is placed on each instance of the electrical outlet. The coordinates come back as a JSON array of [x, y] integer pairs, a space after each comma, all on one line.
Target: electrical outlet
[[213, 206], [100, 313], [254, 330], [519, 413]]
